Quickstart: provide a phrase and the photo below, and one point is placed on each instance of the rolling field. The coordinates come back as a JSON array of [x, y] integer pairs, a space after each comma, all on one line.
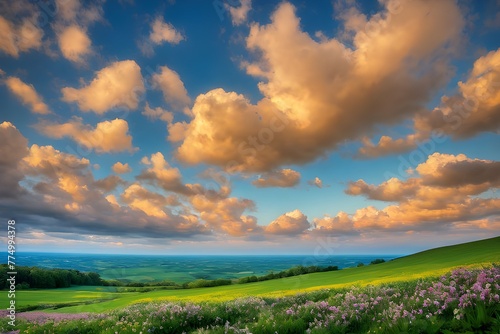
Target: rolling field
[[429, 263]]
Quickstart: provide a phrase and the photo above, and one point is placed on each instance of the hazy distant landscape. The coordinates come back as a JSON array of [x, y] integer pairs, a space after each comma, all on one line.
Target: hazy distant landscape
[[180, 269]]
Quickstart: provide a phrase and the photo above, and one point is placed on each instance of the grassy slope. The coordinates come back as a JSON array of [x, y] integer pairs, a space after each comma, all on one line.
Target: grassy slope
[[428, 263]]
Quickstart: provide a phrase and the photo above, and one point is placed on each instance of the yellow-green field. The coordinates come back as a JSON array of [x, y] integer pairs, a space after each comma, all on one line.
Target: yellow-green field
[[425, 264]]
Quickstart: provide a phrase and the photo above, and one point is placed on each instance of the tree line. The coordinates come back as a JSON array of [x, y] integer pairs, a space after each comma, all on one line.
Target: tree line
[[42, 278], [205, 283], [294, 271]]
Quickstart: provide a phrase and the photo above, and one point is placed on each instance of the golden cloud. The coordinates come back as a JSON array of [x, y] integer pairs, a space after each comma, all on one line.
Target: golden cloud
[[27, 95], [341, 224], [290, 223], [74, 43], [444, 193], [227, 215], [106, 137], [474, 109], [151, 203], [117, 86], [319, 94], [162, 31], [121, 168], [61, 194]]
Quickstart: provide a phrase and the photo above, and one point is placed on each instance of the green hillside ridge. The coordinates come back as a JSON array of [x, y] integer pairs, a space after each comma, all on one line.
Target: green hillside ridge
[[430, 263]]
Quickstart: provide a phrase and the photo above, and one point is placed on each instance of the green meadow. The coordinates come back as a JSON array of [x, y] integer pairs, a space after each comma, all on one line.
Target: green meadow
[[431, 263]]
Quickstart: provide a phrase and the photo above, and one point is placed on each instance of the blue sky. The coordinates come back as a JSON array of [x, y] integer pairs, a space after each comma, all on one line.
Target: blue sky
[[190, 127]]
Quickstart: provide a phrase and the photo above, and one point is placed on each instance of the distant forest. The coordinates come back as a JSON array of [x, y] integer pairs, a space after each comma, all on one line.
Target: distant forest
[[41, 278]]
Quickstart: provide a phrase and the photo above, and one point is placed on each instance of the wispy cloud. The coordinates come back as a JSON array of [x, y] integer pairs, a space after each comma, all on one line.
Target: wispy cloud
[[27, 95], [239, 13], [317, 182], [19, 31], [283, 178]]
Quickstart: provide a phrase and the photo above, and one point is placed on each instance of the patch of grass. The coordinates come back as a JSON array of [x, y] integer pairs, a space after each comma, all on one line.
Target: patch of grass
[[44, 298]]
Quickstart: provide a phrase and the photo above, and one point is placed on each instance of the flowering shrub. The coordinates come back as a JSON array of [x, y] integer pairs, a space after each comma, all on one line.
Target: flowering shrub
[[461, 301]]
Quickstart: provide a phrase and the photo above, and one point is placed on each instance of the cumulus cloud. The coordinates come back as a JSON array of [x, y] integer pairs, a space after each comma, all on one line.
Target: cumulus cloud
[[215, 113], [71, 25], [106, 137], [476, 106], [67, 174], [117, 86], [326, 91], [316, 182], [172, 87], [160, 172], [151, 203], [160, 32], [227, 215], [220, 212], [340, 224], [290, 223], [239, 14], [284, 178], [58, 193], [447, 170], [411, 217], [121, 168], [474, 109], [20, 37], [169, 178], [74, 43], [444, 193], [390, 190], [27, 95]]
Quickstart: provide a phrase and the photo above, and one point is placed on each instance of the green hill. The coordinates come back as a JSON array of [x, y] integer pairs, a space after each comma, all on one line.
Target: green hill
[[429, 263]]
